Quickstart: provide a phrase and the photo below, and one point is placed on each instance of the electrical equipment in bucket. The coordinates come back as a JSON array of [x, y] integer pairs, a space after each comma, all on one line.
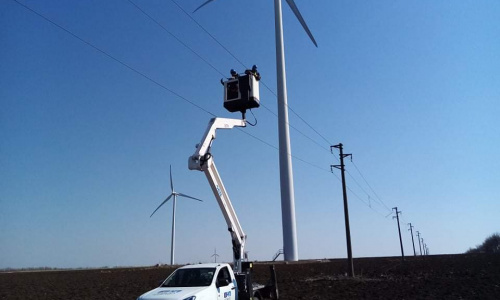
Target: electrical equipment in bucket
[[241, 92]]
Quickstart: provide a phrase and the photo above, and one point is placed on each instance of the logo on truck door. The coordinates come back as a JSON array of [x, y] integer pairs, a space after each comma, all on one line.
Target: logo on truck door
[[227, 294]]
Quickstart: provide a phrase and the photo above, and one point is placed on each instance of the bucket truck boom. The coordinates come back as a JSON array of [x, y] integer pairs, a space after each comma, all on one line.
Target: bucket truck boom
[[202, 160]]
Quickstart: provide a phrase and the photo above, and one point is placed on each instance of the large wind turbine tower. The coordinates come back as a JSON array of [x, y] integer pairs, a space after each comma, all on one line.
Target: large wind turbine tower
[[290, 248]]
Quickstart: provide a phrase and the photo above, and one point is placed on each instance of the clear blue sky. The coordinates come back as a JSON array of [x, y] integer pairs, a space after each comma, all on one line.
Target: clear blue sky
[[411, 89]]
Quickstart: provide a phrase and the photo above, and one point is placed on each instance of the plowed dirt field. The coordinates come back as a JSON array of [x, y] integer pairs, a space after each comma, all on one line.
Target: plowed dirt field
[[431, 277]]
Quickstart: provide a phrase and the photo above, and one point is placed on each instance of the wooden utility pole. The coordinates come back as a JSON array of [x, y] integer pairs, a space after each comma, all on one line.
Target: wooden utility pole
[[399, 230], [419, 245], [412, 241], [350, 265]]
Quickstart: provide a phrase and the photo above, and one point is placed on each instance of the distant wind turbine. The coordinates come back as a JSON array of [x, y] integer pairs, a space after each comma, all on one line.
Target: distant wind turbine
[[215, 255], [174, 194], [286, 174]]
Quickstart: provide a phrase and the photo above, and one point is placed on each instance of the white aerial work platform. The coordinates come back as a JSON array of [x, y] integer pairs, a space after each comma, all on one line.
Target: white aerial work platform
[[241, 92]]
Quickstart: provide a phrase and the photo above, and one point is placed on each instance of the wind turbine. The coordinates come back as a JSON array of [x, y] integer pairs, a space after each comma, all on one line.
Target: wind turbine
[[173, 194], [286, 174], [215, 255]]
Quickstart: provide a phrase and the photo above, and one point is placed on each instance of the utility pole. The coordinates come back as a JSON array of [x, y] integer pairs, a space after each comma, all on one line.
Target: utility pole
[[419, 246], [399, 230], [423, 246], [350, 265], [412, 241]]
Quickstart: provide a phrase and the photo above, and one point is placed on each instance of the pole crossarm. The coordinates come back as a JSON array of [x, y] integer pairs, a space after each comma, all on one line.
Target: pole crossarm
[[338, 147], [335, 166]]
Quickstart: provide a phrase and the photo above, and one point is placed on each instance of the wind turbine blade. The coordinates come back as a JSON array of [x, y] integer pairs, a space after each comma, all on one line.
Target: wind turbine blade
[[296, 11], [206, 2], [184, 195], [168, 198], [171, 182]]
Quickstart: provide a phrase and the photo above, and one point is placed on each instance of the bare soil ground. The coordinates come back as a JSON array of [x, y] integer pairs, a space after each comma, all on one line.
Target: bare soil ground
[[432, 277]]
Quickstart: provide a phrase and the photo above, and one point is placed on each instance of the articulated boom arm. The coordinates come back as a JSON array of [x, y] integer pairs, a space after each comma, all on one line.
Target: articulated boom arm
[[202, 160]]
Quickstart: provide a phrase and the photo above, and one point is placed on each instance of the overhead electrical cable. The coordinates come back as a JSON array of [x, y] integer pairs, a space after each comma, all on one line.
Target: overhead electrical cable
[[211, 65], [113, 58], [148, 77], [291, 155], [239, 61], [361, 187], [376, 195], [367, 204], [263, 83], [207, 32], [290, 108], [175, 37], [367, 194], [165, 87]]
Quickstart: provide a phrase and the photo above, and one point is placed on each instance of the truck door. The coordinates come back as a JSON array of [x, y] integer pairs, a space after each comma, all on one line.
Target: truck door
[[226, 290]]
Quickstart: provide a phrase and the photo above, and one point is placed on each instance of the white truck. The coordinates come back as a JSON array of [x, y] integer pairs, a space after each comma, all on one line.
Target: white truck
[[215, 281], [203, 281]]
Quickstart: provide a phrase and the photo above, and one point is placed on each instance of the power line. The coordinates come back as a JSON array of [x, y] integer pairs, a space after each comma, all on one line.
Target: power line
[[114, 58], [263, 83], [151, 79], [234, 56], [328, 142], [291, 155], [355, 181], [211, 65], [174, 36], [376, 195], [359, 185], [290, 108], [207, 32], [380, 202], [168, 89], [360, 199]]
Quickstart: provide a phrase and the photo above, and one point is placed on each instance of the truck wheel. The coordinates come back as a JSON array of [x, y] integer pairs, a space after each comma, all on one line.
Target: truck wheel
[[257, 296]]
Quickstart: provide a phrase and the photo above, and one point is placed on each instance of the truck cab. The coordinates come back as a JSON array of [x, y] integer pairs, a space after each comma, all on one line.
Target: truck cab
[[200, 282]]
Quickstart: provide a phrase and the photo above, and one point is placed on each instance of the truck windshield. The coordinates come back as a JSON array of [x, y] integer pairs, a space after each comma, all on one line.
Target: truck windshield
[[190, 277]]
